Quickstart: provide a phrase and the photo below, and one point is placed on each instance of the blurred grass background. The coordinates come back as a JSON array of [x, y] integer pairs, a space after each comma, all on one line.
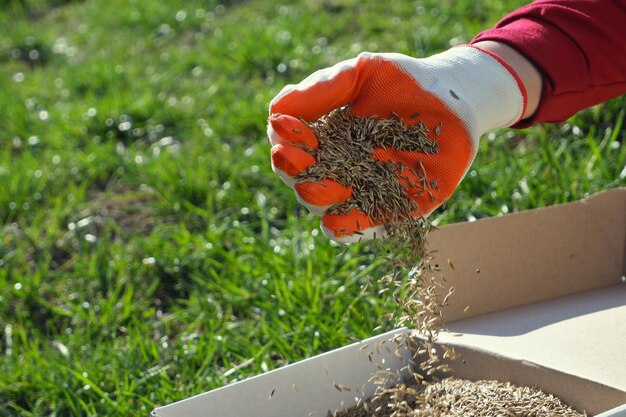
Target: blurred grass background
[[147, 251]]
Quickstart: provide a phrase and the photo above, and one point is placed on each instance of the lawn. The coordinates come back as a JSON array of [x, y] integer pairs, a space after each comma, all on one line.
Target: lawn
[[147, 251]]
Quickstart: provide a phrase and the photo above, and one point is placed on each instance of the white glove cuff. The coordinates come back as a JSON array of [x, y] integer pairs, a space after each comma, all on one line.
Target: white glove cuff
[[477, 85], [490, 86]]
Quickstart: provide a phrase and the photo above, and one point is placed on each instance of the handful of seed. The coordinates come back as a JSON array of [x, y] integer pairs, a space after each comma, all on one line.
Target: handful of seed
[[345, 154]]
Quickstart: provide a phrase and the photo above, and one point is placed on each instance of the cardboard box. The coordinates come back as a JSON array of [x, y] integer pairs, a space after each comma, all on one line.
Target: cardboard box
[[547, 307]]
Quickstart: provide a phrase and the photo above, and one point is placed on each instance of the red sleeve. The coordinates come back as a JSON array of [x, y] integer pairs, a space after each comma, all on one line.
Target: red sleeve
[[578, 45]]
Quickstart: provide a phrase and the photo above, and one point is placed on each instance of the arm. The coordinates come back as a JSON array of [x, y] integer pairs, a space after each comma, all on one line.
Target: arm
[[578, 47]]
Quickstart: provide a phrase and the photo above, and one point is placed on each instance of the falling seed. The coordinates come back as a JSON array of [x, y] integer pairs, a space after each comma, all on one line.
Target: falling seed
[[340, 387], [466, 309], [272, 394], [451, 264], [364, 289], [453, 94]]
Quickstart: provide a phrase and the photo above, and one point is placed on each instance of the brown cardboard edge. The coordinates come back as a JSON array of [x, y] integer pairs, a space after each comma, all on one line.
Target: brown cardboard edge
[[478, 364]]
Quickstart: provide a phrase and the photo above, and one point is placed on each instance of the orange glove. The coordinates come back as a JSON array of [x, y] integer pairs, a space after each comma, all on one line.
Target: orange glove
[[459, 95]]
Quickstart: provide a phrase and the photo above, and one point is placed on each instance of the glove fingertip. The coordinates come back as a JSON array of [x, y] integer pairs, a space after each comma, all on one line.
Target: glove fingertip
[[290, 159], [325, 192], [352, 227], [292, 130]]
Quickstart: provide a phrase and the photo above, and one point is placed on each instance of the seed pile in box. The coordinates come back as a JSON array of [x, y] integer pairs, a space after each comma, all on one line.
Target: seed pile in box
[[344, 154], [461, 398]]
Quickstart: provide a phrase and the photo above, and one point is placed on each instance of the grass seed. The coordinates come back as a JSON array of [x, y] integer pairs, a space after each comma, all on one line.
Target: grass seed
[[345, 154]]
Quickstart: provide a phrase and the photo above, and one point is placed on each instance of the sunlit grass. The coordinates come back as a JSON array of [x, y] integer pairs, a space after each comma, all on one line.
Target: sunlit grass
[[147, 251]]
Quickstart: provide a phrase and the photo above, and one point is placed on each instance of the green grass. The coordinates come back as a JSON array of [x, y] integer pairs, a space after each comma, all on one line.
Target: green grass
[[147, 251]]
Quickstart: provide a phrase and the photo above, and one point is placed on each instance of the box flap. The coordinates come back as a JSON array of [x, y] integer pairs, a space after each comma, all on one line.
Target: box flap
[[534, 255], [312, 387]]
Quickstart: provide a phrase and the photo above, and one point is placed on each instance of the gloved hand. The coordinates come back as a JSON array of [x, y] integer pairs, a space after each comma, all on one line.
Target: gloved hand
[[458, 94]]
